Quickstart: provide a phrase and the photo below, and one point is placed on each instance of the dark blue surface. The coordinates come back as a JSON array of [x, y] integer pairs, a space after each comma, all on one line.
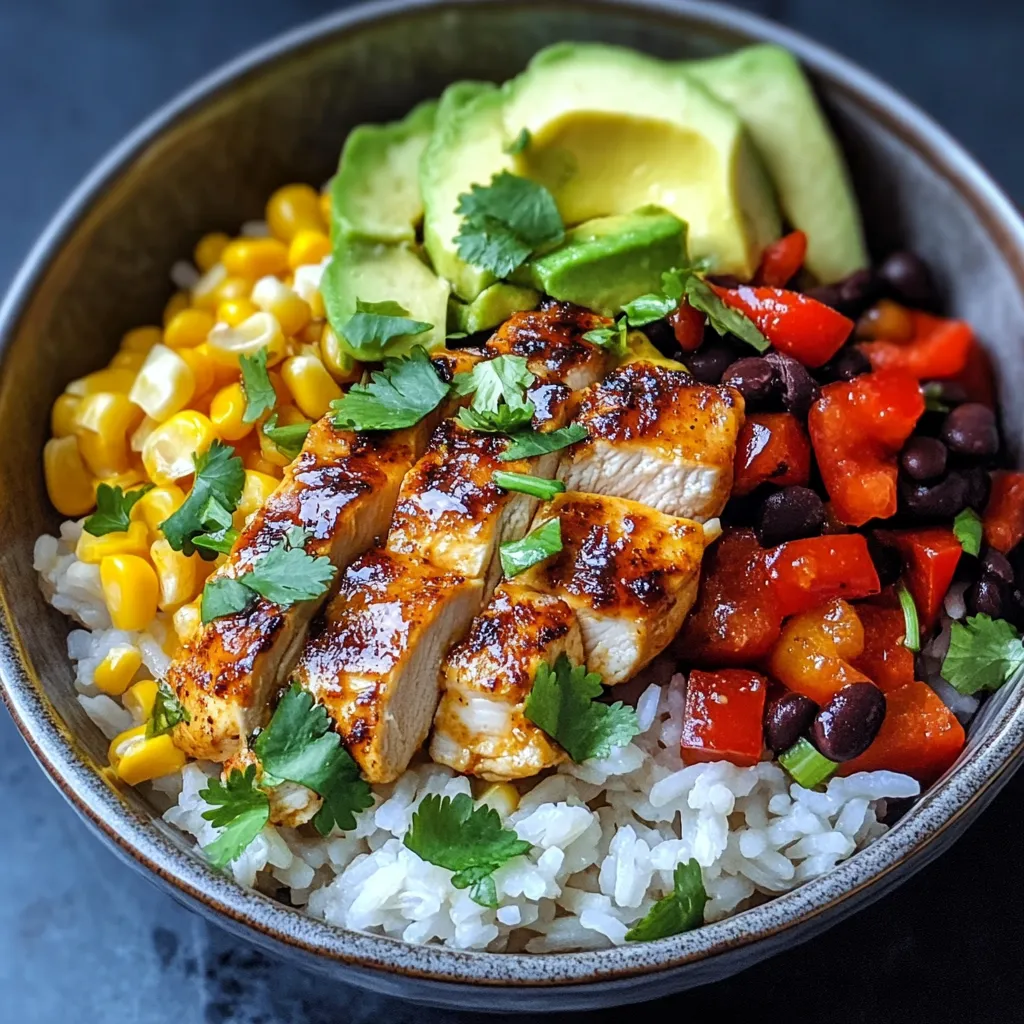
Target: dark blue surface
[[83, 938]]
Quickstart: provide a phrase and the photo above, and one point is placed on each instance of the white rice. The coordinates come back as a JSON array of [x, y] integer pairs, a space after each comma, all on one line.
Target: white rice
[[606, 835]]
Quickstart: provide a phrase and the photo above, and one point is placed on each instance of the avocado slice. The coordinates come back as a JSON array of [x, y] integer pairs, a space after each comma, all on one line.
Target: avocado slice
[[381, 273], [606, 262], [612, 130], [493, 306], [768, 89], [375, 195]]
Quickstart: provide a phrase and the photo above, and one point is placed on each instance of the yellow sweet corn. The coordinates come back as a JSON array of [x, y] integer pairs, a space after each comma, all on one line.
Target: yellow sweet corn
[[164, 385], [188, 328], [187, 620], [258, 461], [226, 411], [137, 758], [502, 797], [103, 422], [208, 249], [127, 361], [204, 291], [139, 698], [176, 574], [175, 304], [311, 385], [141, 339], [223, 364], [204, 370], [115, 671], [130, 590], [261, 330], [253, 258], [69, 483], [293, 208], [308, 246], [117, 380], [275, 297], [132, 477], [340, 365], [62, 415], [257, 488], [233, 311], [133, 541], [325, 206], [167, 452], [157, 505], [232, 288]]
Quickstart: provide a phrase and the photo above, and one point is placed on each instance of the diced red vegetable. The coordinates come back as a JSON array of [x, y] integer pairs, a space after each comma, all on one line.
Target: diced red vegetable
[[724, 717], [772, 447], [939, 348], [976, 378], [735, 620], [919, 737], [1004, 516], [782, 259], [857, 429], [806, 573], [796, 324], [930, 558], [885, 660], [688, 326]]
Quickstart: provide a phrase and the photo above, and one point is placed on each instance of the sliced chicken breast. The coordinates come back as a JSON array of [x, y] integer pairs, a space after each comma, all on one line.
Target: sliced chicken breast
[[374, 656], [659, 437], [480, 727], [629, 572]]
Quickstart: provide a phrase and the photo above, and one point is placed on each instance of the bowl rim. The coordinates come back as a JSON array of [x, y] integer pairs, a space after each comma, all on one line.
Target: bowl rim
[[867, 874]]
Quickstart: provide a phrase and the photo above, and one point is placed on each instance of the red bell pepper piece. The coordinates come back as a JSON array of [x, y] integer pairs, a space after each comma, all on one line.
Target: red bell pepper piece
[[735, 620], [930, 558], [724, 717], [782, 259], [1004, 515], [807, 573], [857, 429], [688, 326], [885, 660], [919, 737], [772, 447], [796, 324], [976, 378], [938, 348]]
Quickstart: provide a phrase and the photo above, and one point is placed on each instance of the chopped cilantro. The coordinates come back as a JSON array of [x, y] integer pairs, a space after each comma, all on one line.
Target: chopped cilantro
[[167, 712], [375, 324], [112, 509], [982, 655], [503, 420], [224, 596], [241, 808], [260, 396], [288, 440], [469, 841], [645, 309], [562, 704], [968, 530], [498, 387], [722, 318], [220, 542], [518, 555], [680, 911], [614, 338], [520, 143], [524, 483], [533, 442]]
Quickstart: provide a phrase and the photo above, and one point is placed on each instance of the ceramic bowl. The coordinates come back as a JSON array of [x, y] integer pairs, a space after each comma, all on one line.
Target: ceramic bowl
[[209, 160]]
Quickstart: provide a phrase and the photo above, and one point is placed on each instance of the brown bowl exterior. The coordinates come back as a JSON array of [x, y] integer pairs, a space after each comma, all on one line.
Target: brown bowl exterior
[[208, 161]]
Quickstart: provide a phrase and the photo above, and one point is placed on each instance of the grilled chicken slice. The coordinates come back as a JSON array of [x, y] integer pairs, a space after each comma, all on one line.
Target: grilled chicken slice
[[659, 437], [479, 727], [374, 656], [629, 572]]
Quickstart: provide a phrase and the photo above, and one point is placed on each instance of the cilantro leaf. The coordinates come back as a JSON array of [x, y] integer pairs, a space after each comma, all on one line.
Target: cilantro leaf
[[241, 808], [220, 476], [260, 396], [503, 420], [968, 530], [286, 574], [933, 393], [525, 483], [400, 395], [224, 596], [345, 792], [982, 655], [518, 555], [680, 911], [374, 324], [722, 318], [469, 841], [167, 712], [614, 338], [288, 440], [498, 387], [505, 221], [219, 543], [520, 143], [645, 309], [533, 442], [112, 508], [562, 704]]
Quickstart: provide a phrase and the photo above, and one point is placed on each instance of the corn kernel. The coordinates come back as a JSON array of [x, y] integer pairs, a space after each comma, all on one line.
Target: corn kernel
[[118, 380], [130, 590], [175, 304], [156, 506], [311, 385], [340, 364], [139, 698], [187, 620], [226, 411], [168, 451], [176, 573], [222, 364], [255, 491], [103, 422], [137, 758], [115, 671], [233, 288], [133, 541], [188, 328], [261, 330], [325, 206], [62, 415], [306, 284], [141, 339], [204, 291], [311, 334], [233, 311], [69, 483], [308, 246], [204, 370], [208, 250], [293, 208], [257, 461], [275, 297], [502, 797], [165, 384], [255, 257], [127, 361]]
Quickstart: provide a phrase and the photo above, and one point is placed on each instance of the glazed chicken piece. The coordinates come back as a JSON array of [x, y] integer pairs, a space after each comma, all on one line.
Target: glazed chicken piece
[[659, 437], [629, 572], [480, 727], [373, 658]]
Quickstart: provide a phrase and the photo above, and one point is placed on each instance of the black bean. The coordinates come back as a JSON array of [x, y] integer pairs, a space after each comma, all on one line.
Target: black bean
[[710, 361], [978, 483], [986, 597], [799, 389], [857, 290], [753, 377], [887, 561], [827, 293], [789, 514], [995, 565], [787, 718], [847, 725], [924, 458], [662, 337], [725, 280], [847, 363], [970, 429], [908, 277], [942, 500]]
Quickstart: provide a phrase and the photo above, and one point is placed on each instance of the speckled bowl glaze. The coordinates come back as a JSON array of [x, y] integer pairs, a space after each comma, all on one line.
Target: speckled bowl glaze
[[208, 160]]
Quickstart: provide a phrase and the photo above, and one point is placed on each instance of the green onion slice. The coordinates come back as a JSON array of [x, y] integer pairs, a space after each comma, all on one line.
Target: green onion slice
[[912, 639], [808, 767], [537, 486]]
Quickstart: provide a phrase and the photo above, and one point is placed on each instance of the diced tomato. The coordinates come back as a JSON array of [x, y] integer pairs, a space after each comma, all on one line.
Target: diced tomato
[[772, 447], [724, 717], [938, 348], [1004, 516], [930, 558], [796, 324], [806, 573], [976, 378], [735, 620], [919, 737], [857, 429], [782, 259], [688, 326], [815, 652], [885, 660]]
